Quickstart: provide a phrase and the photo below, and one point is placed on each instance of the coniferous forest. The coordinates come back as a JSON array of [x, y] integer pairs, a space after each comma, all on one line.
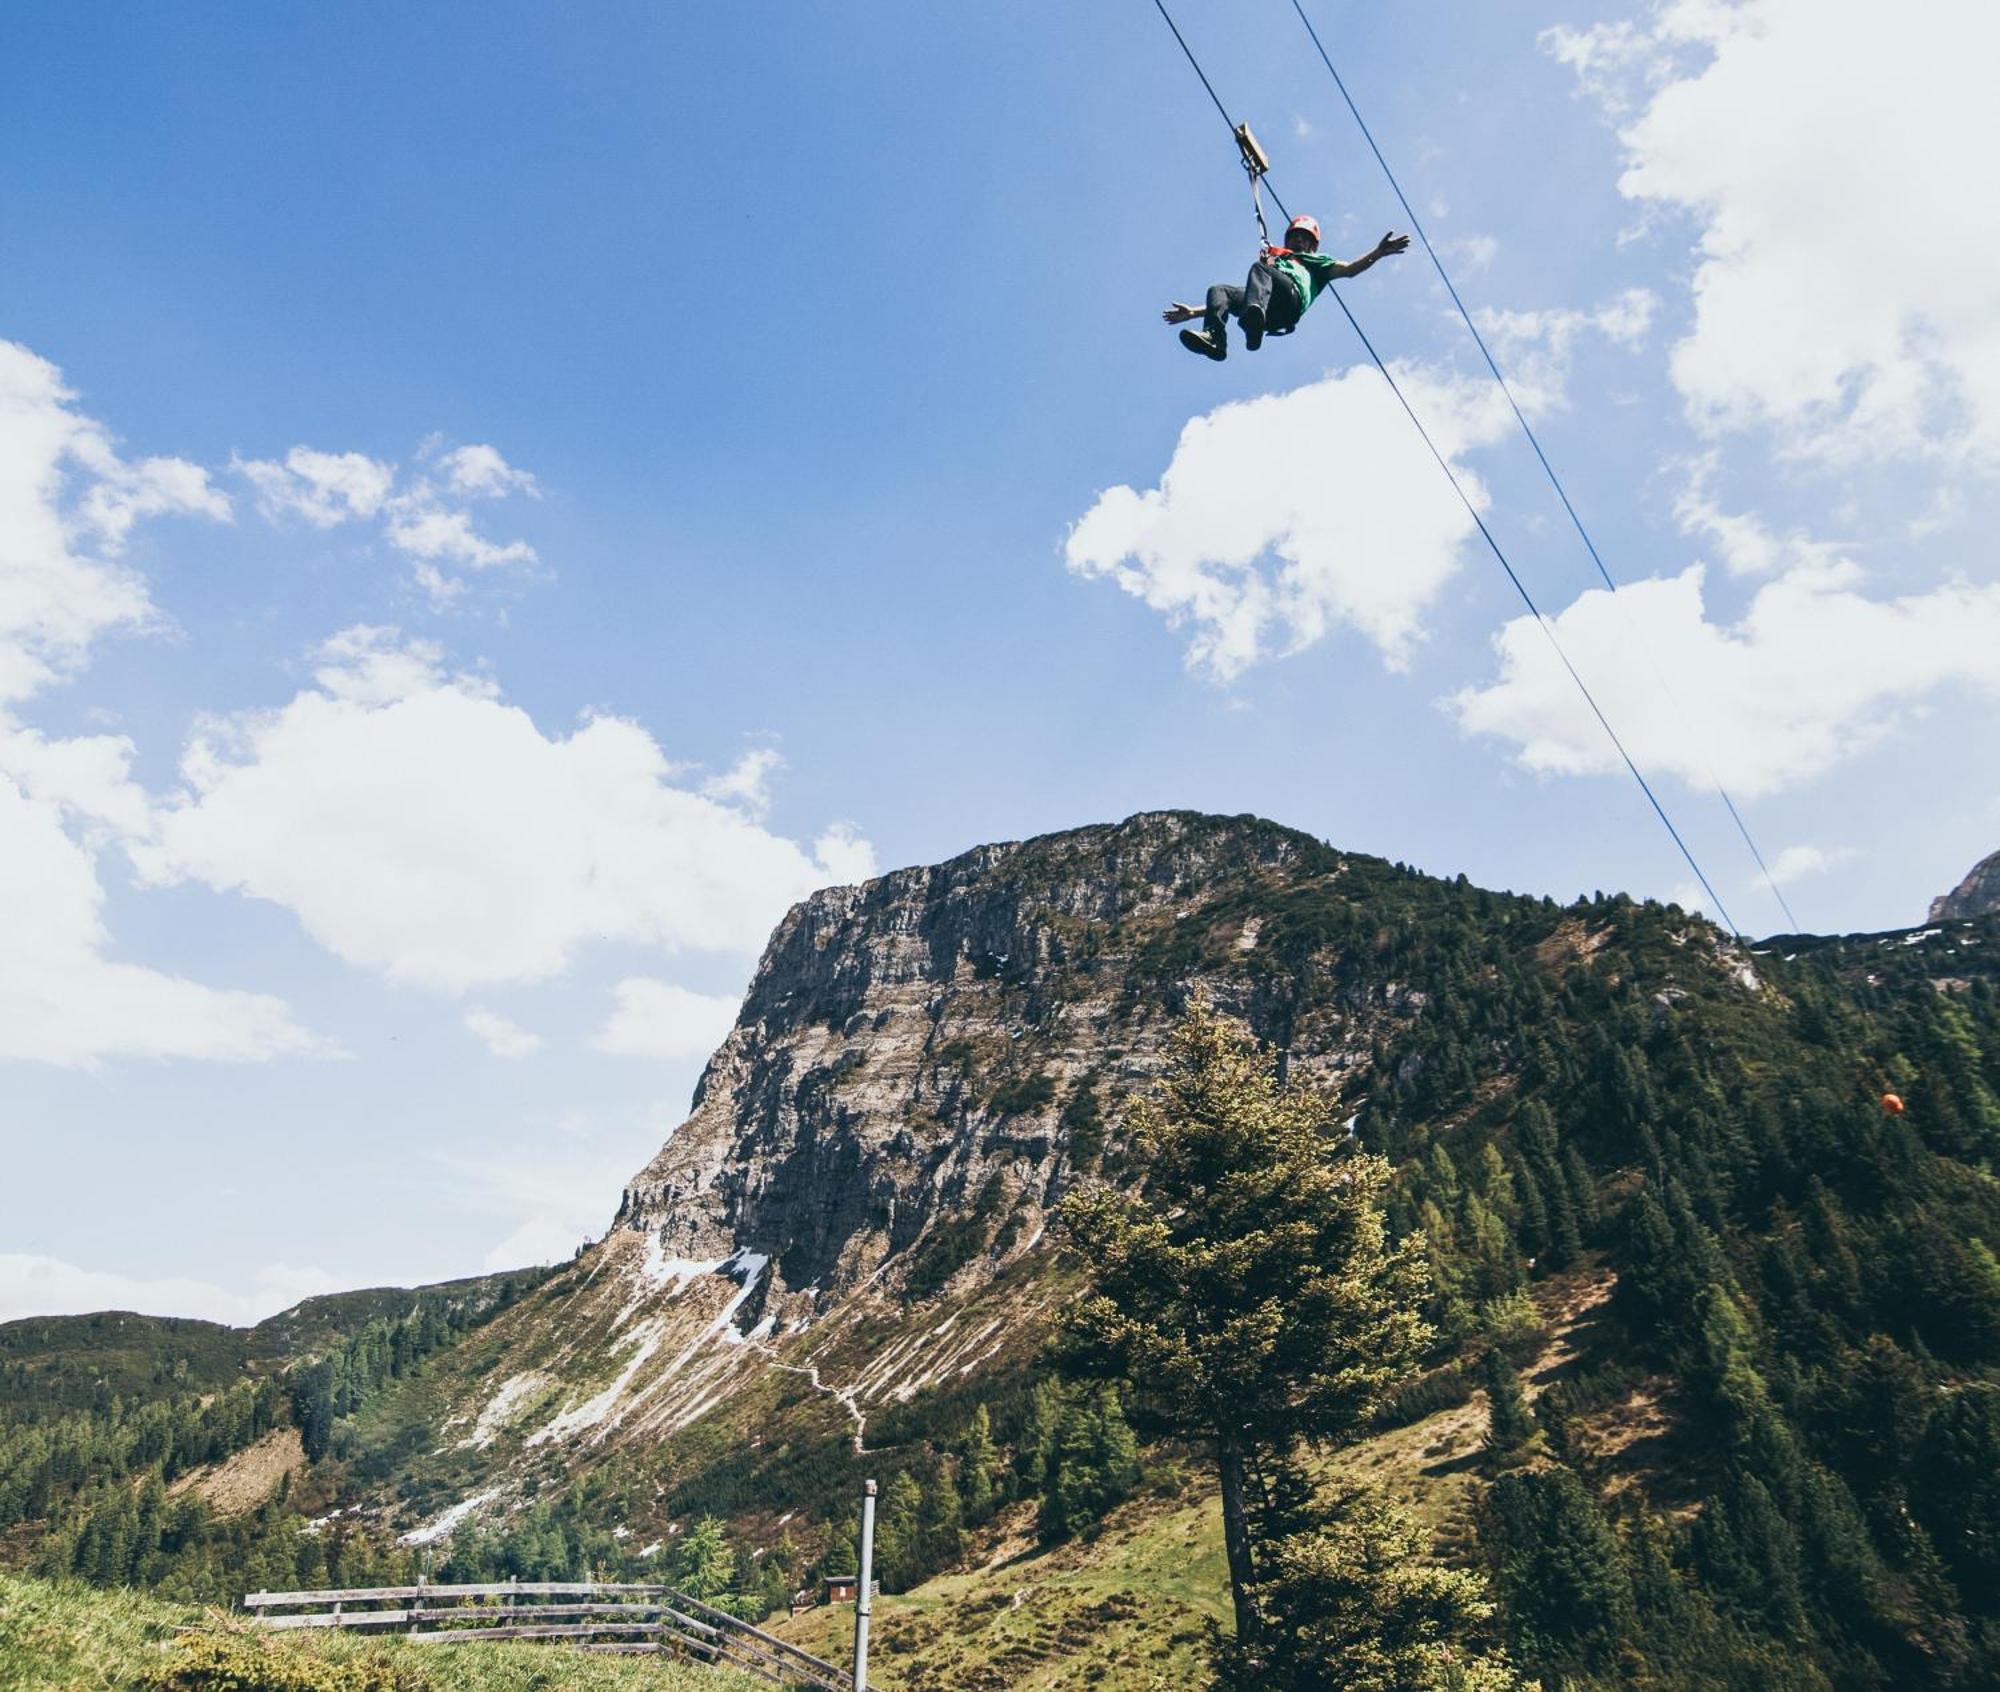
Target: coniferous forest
[[1773, 1460]]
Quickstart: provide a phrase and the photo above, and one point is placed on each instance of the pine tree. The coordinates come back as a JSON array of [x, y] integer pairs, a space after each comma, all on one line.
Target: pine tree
[[1251, 1295], [701, 1564], [1095, 1465], [978, 1468], [1356, 1603], [1038, 1439], [1510, 1424], [1557, 1566]]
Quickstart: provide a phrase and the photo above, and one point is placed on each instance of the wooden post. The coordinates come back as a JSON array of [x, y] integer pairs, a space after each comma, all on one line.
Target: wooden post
[[417, 1603], [863, 1587]]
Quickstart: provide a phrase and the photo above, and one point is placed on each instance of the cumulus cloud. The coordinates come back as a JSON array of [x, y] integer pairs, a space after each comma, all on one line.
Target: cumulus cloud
[[63, 485], [421, 826], [1813, 673], [420, 512], [479, 472], [1795, 863], [65, 1001], [1748, 546], [68, 504], [448, 537], [324, 488], [1281, 518], [1789, 130], [657, 1019], [748, 782], [501, 1037], [33, 1285]]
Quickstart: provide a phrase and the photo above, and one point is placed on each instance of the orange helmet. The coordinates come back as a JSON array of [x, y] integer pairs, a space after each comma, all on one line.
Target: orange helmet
[[1307, 224], [1892, 1105]]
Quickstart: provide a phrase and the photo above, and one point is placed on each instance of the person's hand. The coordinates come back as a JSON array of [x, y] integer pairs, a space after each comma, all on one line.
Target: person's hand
[[1178, 313], [1392, 244]]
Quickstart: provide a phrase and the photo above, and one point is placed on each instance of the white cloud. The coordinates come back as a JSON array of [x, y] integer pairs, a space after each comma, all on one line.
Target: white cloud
[[845, 856], [153, 487], [748, 782], [421, 519], [1814, 673], [1748, 547], [1474, 252], [1848, 236], [504, 1039], [1284, 517], [448, 536], [1536, 347], [54, 599], [32, 1285], [657, 1019], [324, 488], [419, 825], [1795, 863], [63, 999], [479, 472]]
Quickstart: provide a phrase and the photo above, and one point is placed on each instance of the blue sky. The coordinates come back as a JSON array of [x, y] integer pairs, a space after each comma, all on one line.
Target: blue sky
[[496, 502]]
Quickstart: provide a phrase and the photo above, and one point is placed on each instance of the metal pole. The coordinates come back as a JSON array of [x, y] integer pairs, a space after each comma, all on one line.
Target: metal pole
[[862, 1588]]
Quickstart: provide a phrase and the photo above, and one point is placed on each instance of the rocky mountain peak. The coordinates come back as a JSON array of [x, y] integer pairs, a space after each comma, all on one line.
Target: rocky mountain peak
[[1976, 896], [923, 1060]]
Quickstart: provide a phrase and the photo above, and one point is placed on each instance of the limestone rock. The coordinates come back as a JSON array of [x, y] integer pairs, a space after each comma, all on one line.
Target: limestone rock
[[1976, 896]]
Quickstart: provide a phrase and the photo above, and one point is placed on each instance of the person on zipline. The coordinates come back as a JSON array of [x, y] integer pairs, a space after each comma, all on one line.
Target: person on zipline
[[1281, 285]]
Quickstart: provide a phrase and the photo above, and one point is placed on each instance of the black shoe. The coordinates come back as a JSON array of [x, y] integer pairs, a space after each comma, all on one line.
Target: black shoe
[[1252, 320], [1200, 341]]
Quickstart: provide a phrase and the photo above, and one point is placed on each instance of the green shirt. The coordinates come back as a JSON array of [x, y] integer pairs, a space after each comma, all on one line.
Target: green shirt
[[1308, 273]]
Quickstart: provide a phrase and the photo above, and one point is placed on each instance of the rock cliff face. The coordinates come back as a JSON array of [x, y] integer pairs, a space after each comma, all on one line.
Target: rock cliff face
[[1976, 896], [923, 1062]]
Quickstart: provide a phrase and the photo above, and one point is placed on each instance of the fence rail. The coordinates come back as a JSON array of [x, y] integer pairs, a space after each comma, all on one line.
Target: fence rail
[[602, 1616]]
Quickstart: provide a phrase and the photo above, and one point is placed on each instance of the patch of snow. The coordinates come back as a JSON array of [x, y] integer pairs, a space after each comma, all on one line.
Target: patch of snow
[[502, 1405], [644, 1340], [1247, 940], [621, 1532], [608, 1407], [1922, 934], [654, 1549], [656, 1272], [787, 1516], [442, 1526]]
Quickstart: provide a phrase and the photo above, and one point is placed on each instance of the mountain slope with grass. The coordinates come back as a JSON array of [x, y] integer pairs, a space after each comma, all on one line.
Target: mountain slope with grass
[[1757, 1319], [68, 1638]]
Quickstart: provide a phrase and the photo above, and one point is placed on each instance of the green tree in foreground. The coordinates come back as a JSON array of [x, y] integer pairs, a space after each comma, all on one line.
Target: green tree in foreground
[[1249, 1294], [1355, 1605]]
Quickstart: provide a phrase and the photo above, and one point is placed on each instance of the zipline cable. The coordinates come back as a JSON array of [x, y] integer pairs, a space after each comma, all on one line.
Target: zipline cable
[[1548, 469], [1465, 499]]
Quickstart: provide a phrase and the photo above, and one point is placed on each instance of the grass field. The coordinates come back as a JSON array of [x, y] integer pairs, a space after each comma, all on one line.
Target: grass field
[[62, 1638]]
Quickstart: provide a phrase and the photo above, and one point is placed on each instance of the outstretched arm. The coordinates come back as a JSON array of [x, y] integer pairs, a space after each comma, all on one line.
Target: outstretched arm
[[1178, 313], [1388, 247]]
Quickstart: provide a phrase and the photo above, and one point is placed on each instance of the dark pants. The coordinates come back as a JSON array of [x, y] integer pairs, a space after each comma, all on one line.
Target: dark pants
[[1263, 288]]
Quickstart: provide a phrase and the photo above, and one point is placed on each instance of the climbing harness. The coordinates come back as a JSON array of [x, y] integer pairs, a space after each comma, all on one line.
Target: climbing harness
[[1259, 179]]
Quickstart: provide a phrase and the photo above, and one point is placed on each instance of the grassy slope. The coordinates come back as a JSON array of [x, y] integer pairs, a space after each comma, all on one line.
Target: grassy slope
[[1128, 1608], [78, 1639]]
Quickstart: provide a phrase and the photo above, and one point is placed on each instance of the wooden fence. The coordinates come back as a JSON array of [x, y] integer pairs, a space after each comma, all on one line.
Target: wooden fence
[[594, 1615]]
